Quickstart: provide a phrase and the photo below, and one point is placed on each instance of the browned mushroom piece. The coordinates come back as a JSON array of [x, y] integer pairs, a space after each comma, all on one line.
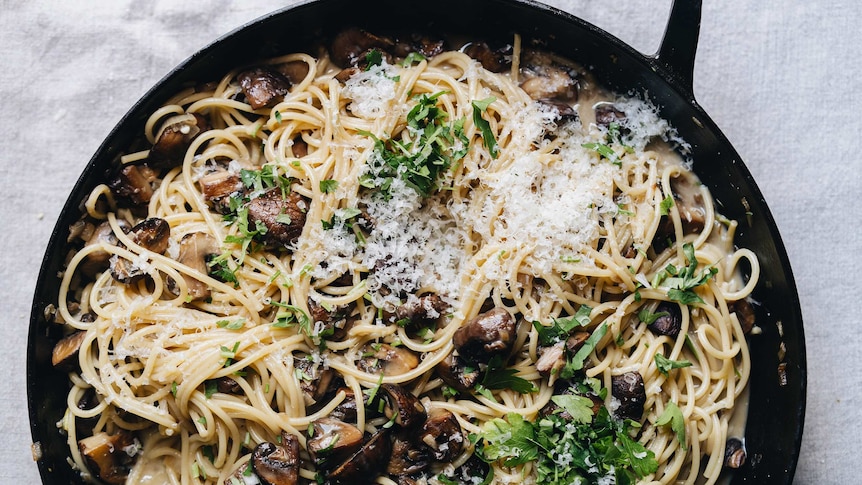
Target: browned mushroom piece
[[443, 435], [407, 457], [65, 354], [152, 234], [228, 385], [299, 147], [277, 464], [365, 464], [420, 312], [692, 212], [314, 380], [350, 45], [97, 260], [388, 359], [745, 313], [346, 409], [196, 249], [424, 44], [485, 336], [566, 113], [263, 87], [125, 271], [402, 406], [332, 440], [108, 456], [607, 113], [336, 319], [576, 341], [669, 322], [347, 73], [217, 187], [494, 60], [551, 359], [457, 373], [734, 453], [551, 82], [629, 389], [282, 217], [173, 141], [132, 185], [294, 71]]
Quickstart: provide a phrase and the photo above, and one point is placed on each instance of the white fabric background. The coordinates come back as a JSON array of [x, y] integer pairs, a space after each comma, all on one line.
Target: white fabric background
[[782, 79]]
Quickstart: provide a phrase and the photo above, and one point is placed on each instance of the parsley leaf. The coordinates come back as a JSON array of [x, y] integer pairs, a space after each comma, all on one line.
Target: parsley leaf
[[580, 407], [577, 362], [666, 204], [511, 439], [499, 377], [373, 58], [561, 327], [683, 282], [328, 186], [487, 135], [673, 416], [604, 151], [231, 325], [648, 317], [665, 365], [413, 57]]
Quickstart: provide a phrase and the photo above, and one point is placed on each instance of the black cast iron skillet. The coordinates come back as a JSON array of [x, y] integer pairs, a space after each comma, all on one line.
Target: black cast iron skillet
[[776, 412]]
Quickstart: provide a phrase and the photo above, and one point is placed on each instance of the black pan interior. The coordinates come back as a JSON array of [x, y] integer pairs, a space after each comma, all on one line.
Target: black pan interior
[[776, 412]]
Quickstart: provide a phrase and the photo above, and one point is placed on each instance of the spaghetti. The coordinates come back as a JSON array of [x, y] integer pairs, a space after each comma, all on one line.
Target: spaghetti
[[373, 217]]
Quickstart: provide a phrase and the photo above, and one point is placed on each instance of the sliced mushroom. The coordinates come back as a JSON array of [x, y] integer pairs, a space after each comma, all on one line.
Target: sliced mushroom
[[407, 457], [347, 73], [283, 217], [391, 360], [456, 373], [420, 312], [133, 185], [332, 441], [152, 234], [299, 147], [402, 405], [365, 464], [173, 141], [107, 455], [486, 335], [551, 82], [314, 380], [217, 188], [551, 359], [337, 319], [474, 470], [692, 212], [65, 353], [277, 464], [424, 44], [228, 385], [734, 453], [349, 45], [346, 409], [629, 389], [607, 113], [566, 113], [745, 313], [443, 435], [97, 260], [125, 271], [196, 250], [670, 321], [263, 87], [576, 341], [494, 60]]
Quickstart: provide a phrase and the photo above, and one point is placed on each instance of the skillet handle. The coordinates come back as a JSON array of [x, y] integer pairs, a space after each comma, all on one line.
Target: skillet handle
[[679, 44]]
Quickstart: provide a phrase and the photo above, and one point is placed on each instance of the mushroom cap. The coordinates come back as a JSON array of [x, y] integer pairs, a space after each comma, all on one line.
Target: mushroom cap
[[629, 389], [486, 335], [442, 435], [403, 405], [366, 463], [333, 440], [277, 464]]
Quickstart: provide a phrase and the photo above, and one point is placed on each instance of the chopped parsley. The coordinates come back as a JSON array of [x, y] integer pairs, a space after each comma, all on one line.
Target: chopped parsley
[[490, 142], [497, 376], [231, 324], [421, 158], [588, 448], [665, 365], [561, 327], [665, 205], [328, 186], [682, 282], [673, 416]]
